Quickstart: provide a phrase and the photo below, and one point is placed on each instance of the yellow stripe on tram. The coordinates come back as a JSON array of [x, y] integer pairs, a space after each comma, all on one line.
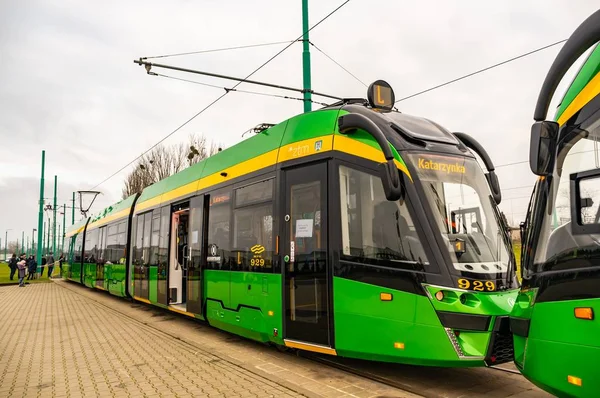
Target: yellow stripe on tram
[[589, 92], [143, 300]]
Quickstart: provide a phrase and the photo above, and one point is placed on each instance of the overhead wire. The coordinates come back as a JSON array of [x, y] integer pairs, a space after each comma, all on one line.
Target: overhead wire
[[219, 49], [222, 95], [237, 90], [337, 63], [481, 70]]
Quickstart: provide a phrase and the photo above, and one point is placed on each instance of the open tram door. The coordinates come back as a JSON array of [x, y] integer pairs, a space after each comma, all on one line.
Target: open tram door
[[305, 263], [179, 256]]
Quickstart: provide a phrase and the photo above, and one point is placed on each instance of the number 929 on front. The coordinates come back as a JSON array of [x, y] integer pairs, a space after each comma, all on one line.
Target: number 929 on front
[[476, 285]]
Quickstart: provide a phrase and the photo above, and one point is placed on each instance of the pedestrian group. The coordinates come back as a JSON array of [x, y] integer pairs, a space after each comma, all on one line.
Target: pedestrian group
[[27, 267]]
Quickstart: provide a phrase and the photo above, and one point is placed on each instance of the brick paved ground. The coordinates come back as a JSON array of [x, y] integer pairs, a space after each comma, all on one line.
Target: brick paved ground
[[110, 346], [63, 340]]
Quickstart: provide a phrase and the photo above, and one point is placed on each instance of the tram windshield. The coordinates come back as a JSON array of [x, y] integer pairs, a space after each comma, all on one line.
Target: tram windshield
[[564, 241], [462, 204]]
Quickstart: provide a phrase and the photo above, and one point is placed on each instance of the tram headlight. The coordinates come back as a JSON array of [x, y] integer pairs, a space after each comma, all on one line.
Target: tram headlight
[[439, 295]]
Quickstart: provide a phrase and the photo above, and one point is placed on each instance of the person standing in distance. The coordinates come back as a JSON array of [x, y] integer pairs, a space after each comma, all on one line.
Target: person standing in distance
[[50, 265]]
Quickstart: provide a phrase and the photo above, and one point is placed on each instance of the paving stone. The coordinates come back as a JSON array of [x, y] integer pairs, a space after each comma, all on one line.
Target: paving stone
[[101, 345], [82, 348]]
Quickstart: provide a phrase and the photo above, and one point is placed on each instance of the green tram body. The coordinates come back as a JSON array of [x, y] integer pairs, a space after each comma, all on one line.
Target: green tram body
[[557, 346], [258, 240]]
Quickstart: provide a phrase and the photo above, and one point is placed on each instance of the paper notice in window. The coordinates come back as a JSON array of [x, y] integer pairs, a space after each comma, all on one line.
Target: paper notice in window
[[194, 237], [304, 228]]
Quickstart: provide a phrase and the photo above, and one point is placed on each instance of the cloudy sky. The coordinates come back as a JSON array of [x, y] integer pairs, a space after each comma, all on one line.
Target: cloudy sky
[[68, 84]]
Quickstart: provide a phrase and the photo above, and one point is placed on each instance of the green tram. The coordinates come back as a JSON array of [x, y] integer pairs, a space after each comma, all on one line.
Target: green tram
[[556, 320], [354, 230]]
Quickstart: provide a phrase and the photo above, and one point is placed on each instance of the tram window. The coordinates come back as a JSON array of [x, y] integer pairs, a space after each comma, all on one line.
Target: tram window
[[137, 249], [253, 239], [254, 193], [115, 243], [375, 230], [219, 215], [102, 253], [112, 244], [154, 238], [77, 249], [146, 238], [590, 201], [91, 246], [163, 239], [122, 242]]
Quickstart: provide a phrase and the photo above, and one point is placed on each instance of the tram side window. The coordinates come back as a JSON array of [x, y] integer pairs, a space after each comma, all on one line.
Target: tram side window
[[102, 252], [115, 243], [138, 238], [154, 238], [219, 215], [91, 246], [163, 239], [375, 230], [120, 254], [77, 248], [253, 228], [111, 243], [590, 201]]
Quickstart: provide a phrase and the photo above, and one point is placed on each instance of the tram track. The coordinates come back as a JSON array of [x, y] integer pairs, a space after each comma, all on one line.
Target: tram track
[[366, 375], [505, 370], [407, 387]]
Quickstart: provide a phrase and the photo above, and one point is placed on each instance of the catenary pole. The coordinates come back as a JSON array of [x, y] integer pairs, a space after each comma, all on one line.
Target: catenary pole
[[54, 217], [306, 78], [40, 229]]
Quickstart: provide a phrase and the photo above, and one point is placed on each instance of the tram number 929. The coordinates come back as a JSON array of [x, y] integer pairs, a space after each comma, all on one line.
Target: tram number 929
[[479, 286], [257, 262]]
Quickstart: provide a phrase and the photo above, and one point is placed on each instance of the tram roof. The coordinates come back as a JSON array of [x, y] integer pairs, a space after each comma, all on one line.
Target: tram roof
[[75, 228], [277, 143], [114, 212]]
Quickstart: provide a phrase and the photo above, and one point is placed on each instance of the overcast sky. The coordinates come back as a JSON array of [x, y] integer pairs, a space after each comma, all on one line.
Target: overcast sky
[[68, 84]]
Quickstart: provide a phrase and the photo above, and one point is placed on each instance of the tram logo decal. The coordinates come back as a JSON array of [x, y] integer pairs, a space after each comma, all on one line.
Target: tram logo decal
[[318, 145], [443, 167], [511, 301], [257, 260]]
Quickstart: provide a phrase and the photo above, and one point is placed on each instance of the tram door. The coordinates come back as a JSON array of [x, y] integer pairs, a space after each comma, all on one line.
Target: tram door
[[305, 269], [179, 257]]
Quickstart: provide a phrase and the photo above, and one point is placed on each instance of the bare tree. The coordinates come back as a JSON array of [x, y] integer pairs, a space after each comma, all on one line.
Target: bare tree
[[162, 162]]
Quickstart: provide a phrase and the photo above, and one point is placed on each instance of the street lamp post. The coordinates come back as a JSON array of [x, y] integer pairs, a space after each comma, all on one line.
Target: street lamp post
[[33, 241], [5, 243]]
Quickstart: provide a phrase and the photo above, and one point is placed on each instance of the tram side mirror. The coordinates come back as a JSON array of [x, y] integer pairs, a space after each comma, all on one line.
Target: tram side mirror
[[390, 178], [543, 147], [390, 175], [494, 184]]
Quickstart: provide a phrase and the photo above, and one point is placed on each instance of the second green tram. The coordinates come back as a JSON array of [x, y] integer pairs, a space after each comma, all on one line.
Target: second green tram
[[556, 320], [353, 230]]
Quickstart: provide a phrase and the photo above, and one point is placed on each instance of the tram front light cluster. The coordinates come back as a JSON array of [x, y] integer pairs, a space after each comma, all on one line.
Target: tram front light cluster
[[446, 296]]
